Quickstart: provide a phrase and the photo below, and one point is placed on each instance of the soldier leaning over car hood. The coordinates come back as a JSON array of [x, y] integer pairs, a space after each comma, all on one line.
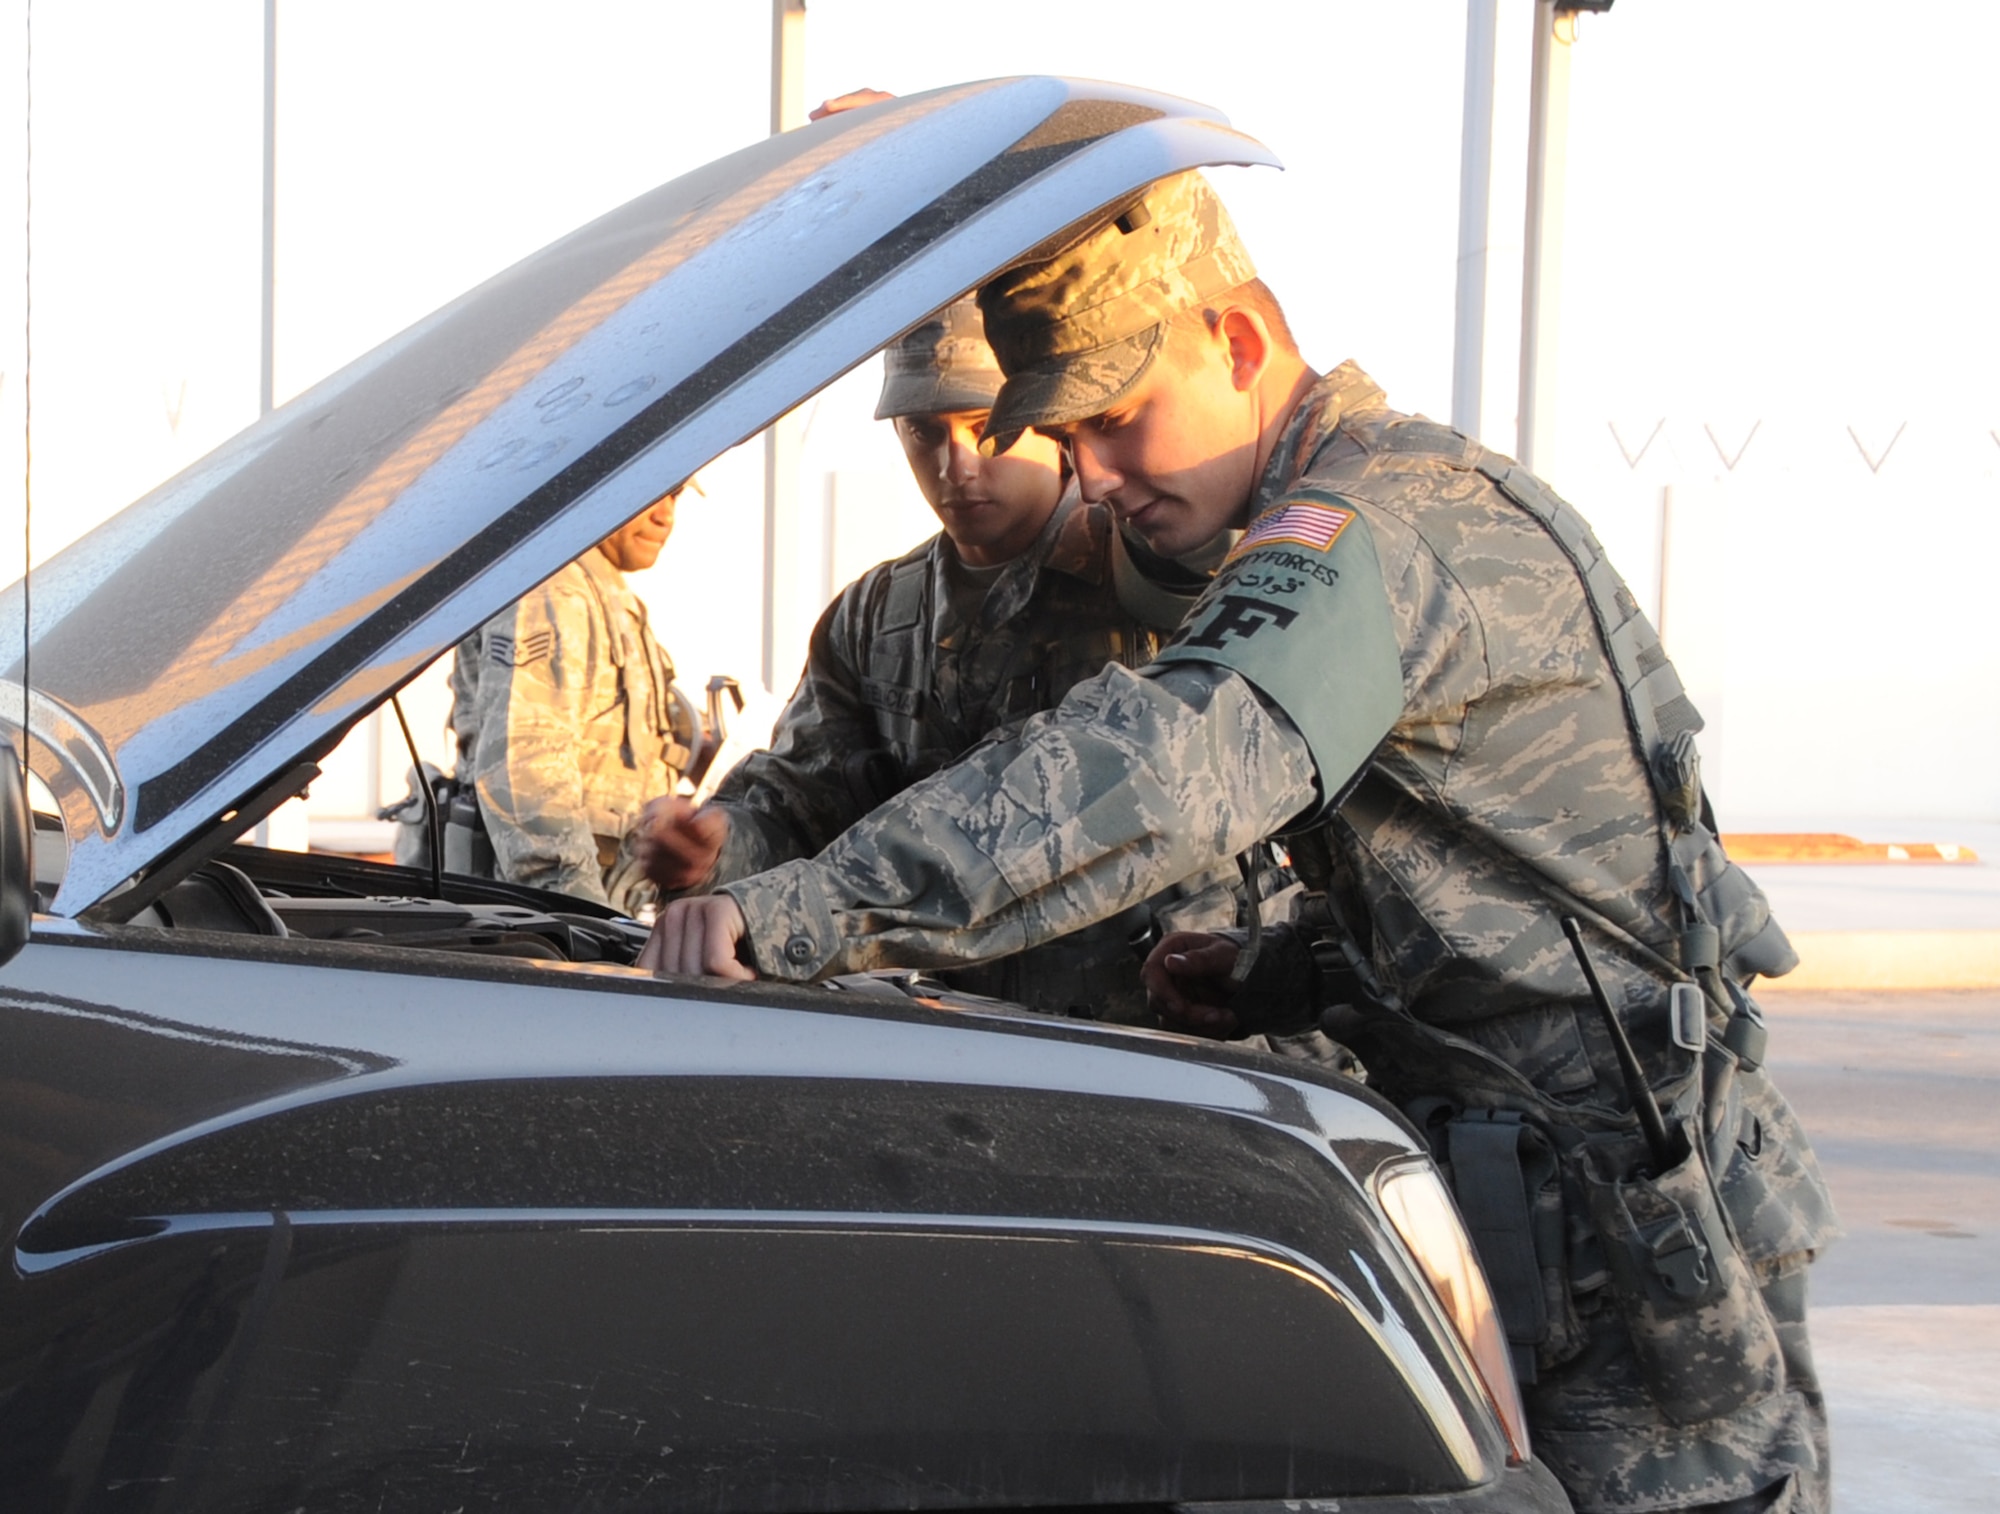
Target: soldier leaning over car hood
[[1026, 592], [1418, 665]]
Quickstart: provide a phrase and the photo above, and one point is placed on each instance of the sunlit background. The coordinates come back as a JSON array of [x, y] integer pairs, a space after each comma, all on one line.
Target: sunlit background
[[1777, 312]]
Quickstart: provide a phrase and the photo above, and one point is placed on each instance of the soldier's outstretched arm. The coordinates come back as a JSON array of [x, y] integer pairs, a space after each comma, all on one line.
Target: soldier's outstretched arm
[[789, 800], [531, 716], [1277, 689], [1133, 782]]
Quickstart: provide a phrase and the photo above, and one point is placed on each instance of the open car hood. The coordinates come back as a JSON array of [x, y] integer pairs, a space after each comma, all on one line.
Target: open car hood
[[195, 654]]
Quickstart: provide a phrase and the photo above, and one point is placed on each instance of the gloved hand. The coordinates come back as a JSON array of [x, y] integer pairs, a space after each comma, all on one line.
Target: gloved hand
[[677, 844], [1187, 982]]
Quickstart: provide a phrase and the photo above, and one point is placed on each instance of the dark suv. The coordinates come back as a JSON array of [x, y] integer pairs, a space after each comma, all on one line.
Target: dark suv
[[334, 1186]]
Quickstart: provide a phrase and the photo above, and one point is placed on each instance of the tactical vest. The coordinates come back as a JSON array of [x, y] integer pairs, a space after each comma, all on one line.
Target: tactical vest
[[659, 719], [1726, 924], [1718, 902], [1569, 1209], [900, 683]]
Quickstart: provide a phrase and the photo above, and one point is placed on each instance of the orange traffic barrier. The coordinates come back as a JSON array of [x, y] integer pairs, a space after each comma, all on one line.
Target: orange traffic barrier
[[1827, 846]]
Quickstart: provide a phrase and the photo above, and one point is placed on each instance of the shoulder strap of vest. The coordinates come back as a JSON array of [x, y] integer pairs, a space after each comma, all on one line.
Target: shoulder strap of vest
[[1666, 722], [1416, 434], [1658, 704], [909, 576], [898, 654], [614, 644], [1353, 390]]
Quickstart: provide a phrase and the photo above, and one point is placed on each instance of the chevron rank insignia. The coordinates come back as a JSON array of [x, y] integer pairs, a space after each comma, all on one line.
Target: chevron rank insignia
[[509, 653]]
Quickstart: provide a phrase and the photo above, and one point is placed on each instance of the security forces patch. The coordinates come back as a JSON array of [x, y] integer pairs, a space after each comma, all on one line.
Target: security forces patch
[[1241, 615], [1299, 609]]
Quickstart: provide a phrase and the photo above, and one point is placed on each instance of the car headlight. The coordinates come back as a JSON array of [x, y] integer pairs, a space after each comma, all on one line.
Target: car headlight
[[1415, 1200]]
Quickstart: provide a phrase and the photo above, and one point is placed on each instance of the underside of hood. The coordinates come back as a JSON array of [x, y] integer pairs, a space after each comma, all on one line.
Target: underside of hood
[[194, 654]]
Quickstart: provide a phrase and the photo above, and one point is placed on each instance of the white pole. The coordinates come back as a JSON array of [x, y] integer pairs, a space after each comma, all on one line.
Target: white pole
[[267, 343], [1548, 133], [783, 571], [267, 375], [788, 65], [1475, 181]]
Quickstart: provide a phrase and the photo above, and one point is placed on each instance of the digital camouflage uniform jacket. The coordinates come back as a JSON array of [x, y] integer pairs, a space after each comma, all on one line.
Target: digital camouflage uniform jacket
[[897, 684], [1397, 633], [564, 709]]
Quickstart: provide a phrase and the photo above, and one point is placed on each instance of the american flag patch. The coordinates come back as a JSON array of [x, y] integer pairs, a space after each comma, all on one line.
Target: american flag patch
[[1303, 523]]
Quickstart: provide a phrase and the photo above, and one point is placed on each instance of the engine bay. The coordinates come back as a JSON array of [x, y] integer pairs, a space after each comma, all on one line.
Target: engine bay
[[330, 897]]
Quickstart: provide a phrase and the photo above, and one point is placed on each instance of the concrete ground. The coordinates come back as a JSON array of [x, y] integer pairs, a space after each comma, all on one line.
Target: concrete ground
[[1901, 1096]]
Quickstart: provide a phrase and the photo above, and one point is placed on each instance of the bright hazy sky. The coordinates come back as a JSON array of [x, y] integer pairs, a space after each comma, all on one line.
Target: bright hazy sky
[[1780, 217]]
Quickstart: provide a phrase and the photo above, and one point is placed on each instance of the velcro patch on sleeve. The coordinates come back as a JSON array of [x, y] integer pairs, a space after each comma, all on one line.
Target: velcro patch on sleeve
[[1302, 522], [506, 652]]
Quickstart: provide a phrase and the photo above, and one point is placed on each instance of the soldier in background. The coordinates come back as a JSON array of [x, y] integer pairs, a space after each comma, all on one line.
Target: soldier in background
[[1418, 665], [1024, 593], [568, 721]]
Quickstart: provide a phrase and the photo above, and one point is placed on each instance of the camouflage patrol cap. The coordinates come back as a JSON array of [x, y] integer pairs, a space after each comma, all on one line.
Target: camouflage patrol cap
[[940, 367], [1076, 331]]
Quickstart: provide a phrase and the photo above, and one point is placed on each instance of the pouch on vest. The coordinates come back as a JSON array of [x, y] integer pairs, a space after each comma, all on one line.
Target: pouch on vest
[[1504, 1172], [1766, 1176], [1701, 1334]]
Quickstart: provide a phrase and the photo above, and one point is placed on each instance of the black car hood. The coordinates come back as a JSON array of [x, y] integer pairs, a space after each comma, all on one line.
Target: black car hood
[[190, 654]]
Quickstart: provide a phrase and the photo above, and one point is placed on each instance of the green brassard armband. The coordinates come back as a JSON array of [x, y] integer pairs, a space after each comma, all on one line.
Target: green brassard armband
[[1299, 610]]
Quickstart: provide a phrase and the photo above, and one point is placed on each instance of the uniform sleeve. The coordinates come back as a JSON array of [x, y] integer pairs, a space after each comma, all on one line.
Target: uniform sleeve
[[1135, 781], [1300, 609], [533, 684], [790, 800]]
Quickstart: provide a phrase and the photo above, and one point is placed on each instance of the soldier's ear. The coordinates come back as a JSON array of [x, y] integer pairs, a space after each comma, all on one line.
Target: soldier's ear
[[1248, 336]]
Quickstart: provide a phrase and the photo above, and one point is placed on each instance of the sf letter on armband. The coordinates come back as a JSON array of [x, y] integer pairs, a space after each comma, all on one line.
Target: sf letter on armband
[[1242, 617]]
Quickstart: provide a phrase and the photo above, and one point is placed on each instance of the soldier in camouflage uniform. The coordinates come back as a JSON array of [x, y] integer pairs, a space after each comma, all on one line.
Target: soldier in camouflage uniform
[[1418, 665], [568, 721], [1020, 597]]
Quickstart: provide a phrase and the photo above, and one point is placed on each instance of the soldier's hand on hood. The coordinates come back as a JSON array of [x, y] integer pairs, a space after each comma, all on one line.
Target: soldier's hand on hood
[[697, 938], [677, 844], [1187, 982]]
